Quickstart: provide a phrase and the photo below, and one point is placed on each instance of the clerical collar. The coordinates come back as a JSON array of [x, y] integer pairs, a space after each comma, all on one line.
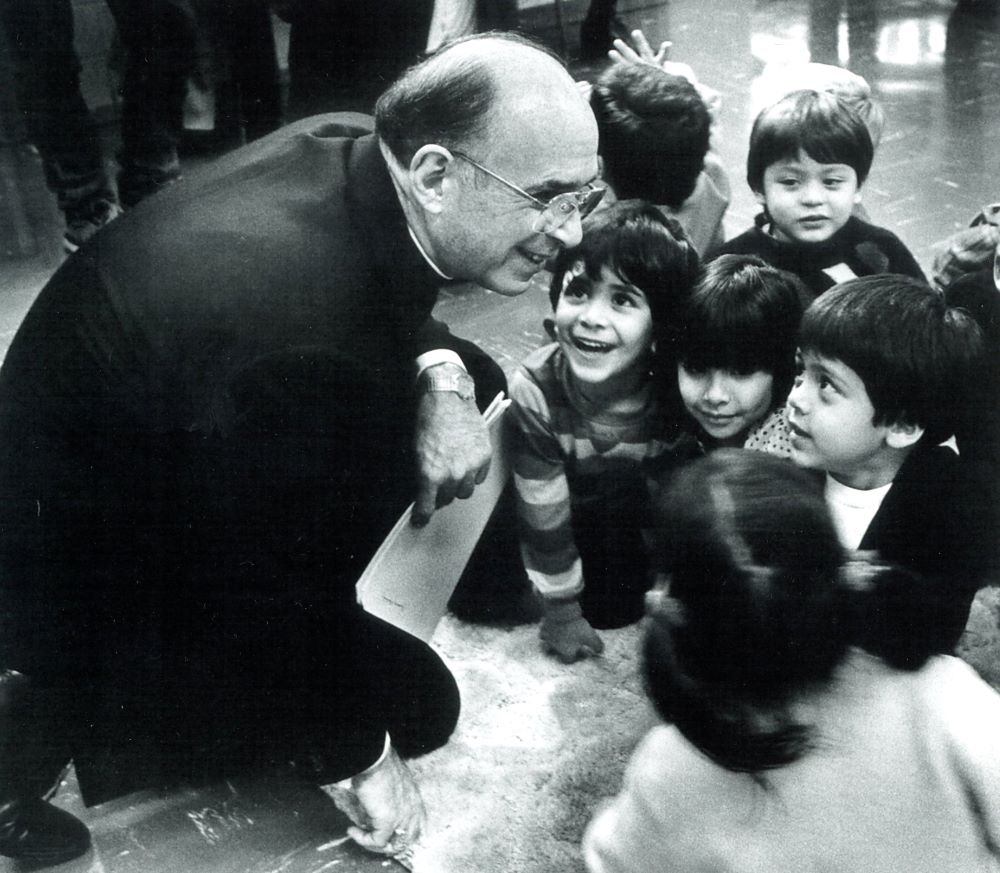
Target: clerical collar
[[426, 256]]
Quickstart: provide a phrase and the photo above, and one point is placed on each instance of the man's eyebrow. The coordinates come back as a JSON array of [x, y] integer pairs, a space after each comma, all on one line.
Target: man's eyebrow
[[552, 187]]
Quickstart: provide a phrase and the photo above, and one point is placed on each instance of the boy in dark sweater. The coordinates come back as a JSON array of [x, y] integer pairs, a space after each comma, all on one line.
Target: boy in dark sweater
[[809, 156], [885, 367]]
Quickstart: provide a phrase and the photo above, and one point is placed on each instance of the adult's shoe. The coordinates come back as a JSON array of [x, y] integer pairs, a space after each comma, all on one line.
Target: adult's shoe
[[80, 228], [41, 834]]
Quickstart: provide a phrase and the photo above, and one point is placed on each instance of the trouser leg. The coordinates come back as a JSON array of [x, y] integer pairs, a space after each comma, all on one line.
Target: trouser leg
[[159, 39], [57, 119]]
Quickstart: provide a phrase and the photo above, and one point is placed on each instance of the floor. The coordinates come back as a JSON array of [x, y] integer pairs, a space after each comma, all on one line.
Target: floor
[[937, 72]]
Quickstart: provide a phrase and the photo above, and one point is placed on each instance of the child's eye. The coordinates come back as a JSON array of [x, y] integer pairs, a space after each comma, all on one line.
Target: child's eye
[[826, 386], [833, 183], [624, 299], [788, 183], [575, 290]]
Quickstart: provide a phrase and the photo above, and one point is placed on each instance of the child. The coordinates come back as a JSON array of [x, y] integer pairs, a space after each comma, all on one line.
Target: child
[[885, 370], [809, 156], [852, 89], [654, 143], [736, 353], [590, 427], [796, 738]]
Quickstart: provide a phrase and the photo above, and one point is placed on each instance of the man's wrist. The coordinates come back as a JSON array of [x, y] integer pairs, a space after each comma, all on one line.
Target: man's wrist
[[448, 377]]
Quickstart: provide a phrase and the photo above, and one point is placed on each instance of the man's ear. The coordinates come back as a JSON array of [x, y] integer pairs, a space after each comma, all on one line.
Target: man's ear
[[428, 169], [903, 434]]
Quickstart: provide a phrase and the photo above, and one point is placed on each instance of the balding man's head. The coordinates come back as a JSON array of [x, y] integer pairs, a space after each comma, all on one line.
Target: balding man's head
[[452, 97], [478, 140]]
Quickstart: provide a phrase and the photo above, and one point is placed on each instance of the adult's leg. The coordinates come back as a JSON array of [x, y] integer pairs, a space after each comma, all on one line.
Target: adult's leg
[[159, 37], [58, 122], [285, 511]]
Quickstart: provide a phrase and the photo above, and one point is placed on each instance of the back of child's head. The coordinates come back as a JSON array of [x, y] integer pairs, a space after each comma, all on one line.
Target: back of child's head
[[915, 354], [654, 131], [851, 88], [641, 246], [743, 316], [815, 122], [761, 608]]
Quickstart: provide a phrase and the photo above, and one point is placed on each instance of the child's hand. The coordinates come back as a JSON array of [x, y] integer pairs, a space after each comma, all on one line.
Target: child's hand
[[566, 633], [642, 53]]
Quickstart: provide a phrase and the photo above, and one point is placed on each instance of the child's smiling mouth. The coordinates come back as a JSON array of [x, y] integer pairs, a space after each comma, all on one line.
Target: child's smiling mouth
[[591, 346]]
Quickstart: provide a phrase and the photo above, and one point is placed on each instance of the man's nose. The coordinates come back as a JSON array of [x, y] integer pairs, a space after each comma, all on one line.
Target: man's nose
[[571, 232]]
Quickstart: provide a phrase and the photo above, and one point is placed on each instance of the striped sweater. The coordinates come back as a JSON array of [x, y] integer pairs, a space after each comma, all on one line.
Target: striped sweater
[[566, 450]]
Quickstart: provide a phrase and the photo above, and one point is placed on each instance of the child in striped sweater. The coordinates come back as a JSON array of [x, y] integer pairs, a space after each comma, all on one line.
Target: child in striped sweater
[[596, 419]]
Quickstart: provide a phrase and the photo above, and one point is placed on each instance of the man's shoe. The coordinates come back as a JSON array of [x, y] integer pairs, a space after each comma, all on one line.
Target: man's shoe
[[81, 228], [41, 834]]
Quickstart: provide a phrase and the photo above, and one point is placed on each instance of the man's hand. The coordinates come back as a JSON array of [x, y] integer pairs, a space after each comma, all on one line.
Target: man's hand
[[394, 812], [567, 634], [453, 451]]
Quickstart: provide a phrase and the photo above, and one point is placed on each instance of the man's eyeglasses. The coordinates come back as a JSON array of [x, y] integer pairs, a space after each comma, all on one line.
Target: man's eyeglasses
[[557, 211]]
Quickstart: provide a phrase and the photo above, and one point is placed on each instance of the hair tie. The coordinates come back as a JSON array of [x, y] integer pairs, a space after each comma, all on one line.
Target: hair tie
[[860, 571]]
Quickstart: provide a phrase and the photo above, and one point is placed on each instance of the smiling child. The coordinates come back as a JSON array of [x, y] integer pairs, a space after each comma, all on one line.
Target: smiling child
[[591, 426], [736, 353], [810, 153]]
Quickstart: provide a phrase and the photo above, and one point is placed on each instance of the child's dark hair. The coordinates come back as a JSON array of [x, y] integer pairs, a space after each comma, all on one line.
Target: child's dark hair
[[817, 123], [642, 246], [743, 316], [654, 131], [761, 608], [915, 354]]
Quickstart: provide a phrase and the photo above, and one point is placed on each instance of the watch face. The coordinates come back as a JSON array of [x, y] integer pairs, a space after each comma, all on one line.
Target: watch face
[[448, 379]]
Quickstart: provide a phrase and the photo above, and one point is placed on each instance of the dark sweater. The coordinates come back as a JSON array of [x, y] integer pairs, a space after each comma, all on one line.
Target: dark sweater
[[864, 248]]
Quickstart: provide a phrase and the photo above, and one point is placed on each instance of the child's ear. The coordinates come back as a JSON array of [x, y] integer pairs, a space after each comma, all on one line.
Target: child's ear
[[903, 435], [428, 169], [759, 197]]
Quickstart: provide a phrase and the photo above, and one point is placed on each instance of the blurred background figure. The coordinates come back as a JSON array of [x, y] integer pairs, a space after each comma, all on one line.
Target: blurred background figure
[[599, 28], [342, 55], [158, 39]]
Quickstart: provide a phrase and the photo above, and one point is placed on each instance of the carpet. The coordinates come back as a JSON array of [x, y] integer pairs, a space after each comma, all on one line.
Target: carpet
[[540, 744]]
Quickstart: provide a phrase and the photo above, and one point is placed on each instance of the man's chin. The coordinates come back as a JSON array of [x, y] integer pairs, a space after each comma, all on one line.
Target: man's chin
[[509, 285]]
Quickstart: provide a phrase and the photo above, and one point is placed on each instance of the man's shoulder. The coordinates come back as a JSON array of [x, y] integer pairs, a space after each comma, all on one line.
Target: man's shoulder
[[333, 124]]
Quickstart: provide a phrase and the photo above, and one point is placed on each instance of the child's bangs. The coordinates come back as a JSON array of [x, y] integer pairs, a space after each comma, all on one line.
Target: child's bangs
[[727, 338]]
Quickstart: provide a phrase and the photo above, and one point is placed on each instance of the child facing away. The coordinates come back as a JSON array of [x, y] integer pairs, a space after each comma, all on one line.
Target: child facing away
[[809, 156], [794, 737], [885, 371], [592, 427], [655, 130], [736, 353]]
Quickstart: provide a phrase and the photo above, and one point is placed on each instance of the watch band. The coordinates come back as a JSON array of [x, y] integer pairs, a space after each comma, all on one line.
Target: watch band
[[448, 377]]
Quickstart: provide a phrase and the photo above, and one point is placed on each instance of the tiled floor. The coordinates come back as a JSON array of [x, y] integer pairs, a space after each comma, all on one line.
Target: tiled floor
[[937, 72]]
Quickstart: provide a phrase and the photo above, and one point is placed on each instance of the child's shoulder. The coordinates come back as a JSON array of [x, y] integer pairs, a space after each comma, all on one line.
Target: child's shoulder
[[537, 382], [753, 241]]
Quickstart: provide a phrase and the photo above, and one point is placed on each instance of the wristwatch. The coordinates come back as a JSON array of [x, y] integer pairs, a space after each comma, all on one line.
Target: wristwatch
[[449, 377]]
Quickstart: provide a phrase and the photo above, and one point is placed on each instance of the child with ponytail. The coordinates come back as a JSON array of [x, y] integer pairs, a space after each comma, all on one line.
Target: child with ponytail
[[808, 723]]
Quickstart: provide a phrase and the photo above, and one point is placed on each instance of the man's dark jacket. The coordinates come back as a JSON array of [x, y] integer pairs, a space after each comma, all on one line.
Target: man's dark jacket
[[204, 430]]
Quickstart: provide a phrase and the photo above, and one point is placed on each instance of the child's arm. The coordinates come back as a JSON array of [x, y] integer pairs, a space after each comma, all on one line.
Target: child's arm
[[549, 552]]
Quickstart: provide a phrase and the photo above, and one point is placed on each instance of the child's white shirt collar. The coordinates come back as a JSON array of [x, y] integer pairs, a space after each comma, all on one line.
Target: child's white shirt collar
[[852, 509]]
